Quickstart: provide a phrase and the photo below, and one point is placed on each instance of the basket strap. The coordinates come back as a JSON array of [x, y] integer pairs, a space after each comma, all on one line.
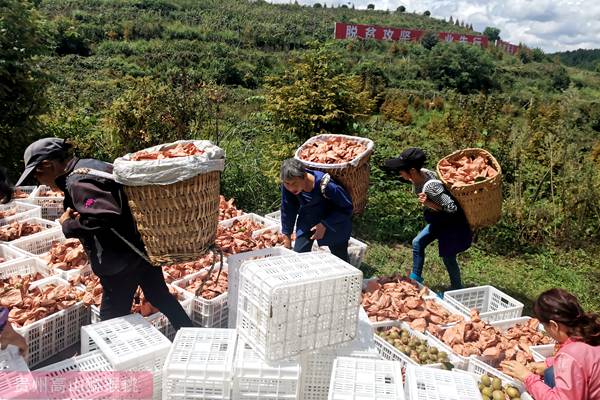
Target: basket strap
[[91, 171], [324, 182]]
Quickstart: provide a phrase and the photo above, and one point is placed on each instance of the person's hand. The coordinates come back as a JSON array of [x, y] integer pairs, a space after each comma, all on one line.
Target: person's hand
[[515, 369], [287, 242], [422, 198], [425, 202], [9, 336], [70, 213], [319, 231], [537, 368]]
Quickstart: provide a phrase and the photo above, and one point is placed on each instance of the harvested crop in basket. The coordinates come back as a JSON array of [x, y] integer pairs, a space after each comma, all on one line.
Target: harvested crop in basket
[[178, 271], [28, 305], [467, 170], [237, 238], [333, 150], [492, 388], [478, 338], [67, 255], [51, 193], [227, 209], [398, 298], [211, 288], [179, 150], [18, 229], [19, 194], [8, 213], [418, 350]]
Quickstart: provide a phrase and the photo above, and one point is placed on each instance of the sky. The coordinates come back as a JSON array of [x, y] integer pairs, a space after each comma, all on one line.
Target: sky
[[552, 25]]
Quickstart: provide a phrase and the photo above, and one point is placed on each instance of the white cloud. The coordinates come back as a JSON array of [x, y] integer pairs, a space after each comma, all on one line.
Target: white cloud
[[553, 25]]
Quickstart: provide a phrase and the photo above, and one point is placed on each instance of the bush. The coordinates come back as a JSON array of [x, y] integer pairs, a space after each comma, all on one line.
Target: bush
[[69, 38]]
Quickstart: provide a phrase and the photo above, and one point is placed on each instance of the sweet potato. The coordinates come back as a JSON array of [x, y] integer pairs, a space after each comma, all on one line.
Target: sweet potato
[[8, 213], [178, 271], [178, 150], [210, 287], [237, 238], [66, 255], [466, 170], [51, 193], [334, 150], [18, 229], [227, 209]]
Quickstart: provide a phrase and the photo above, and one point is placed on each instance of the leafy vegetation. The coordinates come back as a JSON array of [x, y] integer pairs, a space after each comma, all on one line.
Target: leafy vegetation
[[258, 78]]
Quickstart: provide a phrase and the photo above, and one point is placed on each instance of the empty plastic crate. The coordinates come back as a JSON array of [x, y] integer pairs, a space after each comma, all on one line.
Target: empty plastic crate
[[200, 365], [234, 263], [297, 303], [207, 313], [492, 304], [56, 332], [52, 207], [8, 253], [274, 216], [22, 211], [365, 379], [540, 353], [129, 343], [259, 380], [424, 383]]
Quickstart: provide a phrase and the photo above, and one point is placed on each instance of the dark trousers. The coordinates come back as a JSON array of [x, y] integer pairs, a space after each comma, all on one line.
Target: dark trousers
[[119, 289], [304, 244], [549, 378]]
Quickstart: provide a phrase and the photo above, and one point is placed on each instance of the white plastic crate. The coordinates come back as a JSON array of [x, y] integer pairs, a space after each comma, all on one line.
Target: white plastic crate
[[39, 243], [264, 222], [23, 210], [258, 380], [459, 362], [9, 253], [389, 352], [157, 320], [234, 264], [207, 313], [540, 353], [492, 304], [317, 365], [356, 251], [200, 365], [13, 371], [25, 189], [364, 379], [297, 303], [478, 368], [274, 216], [129, 343], [56, 332], [52, 207], [24, 266], [424, 383]]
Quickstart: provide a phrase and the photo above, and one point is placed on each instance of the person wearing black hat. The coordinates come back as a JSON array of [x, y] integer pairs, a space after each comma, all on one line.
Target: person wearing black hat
[[445, 219], [98, 215]]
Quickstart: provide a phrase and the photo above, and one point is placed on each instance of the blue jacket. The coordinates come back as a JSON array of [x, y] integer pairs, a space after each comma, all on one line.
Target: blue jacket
[[335, 211]]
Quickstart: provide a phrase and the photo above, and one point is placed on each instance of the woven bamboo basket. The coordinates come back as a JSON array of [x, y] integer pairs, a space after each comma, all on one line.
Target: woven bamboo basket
[[178, 222], [481, 201], [353, 176]]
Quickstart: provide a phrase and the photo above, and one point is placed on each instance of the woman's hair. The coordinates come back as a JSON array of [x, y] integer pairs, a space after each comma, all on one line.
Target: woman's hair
[[291, 168], [6, 189], [560, 306]]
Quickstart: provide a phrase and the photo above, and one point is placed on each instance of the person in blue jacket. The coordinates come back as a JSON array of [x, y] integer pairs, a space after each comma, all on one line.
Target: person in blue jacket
[[320, 208]]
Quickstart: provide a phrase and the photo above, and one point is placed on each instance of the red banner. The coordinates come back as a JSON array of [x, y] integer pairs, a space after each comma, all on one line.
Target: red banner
[[454, 37], [356, 31], [507, 47]]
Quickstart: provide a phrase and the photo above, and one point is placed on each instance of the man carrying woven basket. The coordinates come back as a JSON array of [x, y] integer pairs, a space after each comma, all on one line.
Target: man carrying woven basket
[[322, 207], [98, 215], [446, 221]]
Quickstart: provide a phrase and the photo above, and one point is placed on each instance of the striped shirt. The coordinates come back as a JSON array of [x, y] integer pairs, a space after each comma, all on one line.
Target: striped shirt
[[436, 192]]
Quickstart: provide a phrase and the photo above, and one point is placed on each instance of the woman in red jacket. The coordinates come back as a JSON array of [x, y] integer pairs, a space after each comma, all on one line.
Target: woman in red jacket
[[574, 371]]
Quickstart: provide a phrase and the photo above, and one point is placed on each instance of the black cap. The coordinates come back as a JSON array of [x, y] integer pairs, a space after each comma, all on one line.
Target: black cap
[[39, 151], [413, 157]]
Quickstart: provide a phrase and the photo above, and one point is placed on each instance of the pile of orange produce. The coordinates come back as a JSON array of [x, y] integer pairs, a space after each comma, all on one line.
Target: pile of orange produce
[[18, 229], [238, 237], [8, 213], [178, 271], [227, 209], [179, 150], [51, 193], [466, 170], [67, 255], [333, 150], [211, 288]]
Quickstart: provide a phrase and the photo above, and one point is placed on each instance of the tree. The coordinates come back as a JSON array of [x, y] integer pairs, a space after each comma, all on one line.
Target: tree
[[430, 39], [492, 33], [451, 20], [538, 55], [22, 82], [401, 9], [371, 7], [457, 23], [560, 79], [461, 67], [427, 13], [462, 24], [314, 95], [317, 5], [68, 37]]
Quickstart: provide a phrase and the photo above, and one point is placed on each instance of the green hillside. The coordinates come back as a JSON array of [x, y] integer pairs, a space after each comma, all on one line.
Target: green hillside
[[258, 78], [581, 58]]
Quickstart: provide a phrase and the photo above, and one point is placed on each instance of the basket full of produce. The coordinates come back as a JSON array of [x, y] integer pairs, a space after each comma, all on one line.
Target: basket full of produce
[[345, 158], [173, 193], [474, 178]]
